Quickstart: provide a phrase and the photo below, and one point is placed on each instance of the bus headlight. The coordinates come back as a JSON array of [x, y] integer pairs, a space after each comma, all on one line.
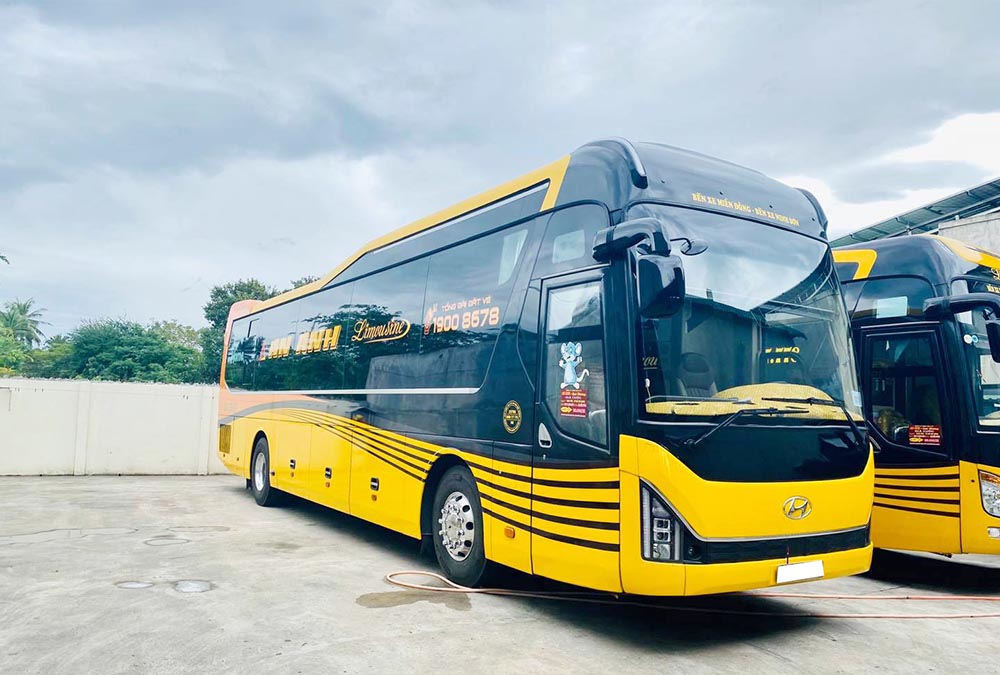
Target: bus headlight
[[989, 488], [660, 531]]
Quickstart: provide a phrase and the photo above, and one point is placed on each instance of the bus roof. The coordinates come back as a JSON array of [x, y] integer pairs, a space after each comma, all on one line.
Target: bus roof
[[618, 173], [935, 258]]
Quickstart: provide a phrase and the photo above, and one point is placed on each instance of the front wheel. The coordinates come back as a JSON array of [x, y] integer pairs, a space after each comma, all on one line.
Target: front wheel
[[260, 475], [458, 528]]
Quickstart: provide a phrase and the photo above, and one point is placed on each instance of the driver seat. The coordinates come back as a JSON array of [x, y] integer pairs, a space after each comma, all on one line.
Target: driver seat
[[695, 376]]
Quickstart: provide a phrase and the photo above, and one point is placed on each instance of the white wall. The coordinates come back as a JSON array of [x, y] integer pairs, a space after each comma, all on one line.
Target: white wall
[[76, 427], [982, 231]]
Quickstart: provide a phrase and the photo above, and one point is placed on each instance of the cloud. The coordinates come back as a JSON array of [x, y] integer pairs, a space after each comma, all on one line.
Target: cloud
[[109, 243], [150, 151], [970, 138], [959, 153]]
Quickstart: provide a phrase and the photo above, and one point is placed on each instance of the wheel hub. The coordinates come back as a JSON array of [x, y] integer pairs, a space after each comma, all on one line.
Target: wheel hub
[[258, 472], [458, 526]]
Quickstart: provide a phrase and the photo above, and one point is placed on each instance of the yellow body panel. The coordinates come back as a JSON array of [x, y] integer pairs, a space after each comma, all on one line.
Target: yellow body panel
[[646, 577], [972, 254], [567, 524], [917, 509], [717, 510], [975, 520], [864, 257]]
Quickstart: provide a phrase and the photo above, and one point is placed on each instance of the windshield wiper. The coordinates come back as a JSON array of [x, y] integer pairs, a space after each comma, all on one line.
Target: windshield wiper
[[698, 399], [812, 400], [691, 442]]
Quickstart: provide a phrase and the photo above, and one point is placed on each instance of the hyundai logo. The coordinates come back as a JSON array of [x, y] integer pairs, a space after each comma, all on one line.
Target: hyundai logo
[[797, 508]]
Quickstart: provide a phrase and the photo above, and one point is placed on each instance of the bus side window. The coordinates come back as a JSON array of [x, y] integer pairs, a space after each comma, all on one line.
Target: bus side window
[[242, 356], [569, 239], [573, 380]]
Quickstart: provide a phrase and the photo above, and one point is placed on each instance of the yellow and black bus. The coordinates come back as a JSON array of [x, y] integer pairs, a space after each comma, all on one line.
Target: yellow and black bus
[[924, 312], [628, 370]]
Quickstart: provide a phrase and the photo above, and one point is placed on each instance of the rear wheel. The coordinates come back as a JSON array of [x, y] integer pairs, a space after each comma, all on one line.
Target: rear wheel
[[260, 475], [458, 527]]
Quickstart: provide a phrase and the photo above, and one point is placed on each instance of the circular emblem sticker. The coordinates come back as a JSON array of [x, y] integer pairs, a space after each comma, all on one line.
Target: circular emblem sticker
[[511, 417]]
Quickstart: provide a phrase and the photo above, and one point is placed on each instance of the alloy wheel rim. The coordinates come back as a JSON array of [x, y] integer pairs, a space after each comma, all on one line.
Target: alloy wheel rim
[[258, 472], [458, 526]]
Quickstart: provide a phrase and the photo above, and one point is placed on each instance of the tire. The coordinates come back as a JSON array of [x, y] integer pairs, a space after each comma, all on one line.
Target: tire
[[260, 475], [457, 525]]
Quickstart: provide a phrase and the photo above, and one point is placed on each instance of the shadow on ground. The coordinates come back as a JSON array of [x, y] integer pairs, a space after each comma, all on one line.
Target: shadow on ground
[[659, 625], [961, 574]]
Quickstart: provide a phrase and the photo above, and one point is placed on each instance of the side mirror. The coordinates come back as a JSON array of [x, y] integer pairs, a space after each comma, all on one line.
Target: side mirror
[[935, 308], [993, 333], [661, 286], [649, 232]]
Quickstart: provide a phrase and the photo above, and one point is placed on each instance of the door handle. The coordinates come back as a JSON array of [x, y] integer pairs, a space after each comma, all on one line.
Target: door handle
[[544, 439]]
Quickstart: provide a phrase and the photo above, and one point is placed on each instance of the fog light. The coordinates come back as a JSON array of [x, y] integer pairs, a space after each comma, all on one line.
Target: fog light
[[993, 532], [989, 489]]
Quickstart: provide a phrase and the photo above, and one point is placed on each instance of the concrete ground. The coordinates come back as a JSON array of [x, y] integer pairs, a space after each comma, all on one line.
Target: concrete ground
[[189, 575]]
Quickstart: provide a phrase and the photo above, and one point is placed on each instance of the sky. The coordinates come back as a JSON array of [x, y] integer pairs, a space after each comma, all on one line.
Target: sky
[[149, 151]]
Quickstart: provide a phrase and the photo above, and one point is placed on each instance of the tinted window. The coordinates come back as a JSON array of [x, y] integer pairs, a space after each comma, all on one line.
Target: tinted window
[[275, 332], [569, 239], [892, 298], [904, 403], [383, 326], [468, 289], [317, 361], [574, 389], [847, 270], [242, 356]]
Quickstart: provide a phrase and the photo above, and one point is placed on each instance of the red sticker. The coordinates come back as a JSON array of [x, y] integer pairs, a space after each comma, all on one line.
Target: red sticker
[[573, 402], [925, 434]]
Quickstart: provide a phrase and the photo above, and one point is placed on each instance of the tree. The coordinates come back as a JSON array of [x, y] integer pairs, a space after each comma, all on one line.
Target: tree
[[115, 349], [297, 283], [178, 333], [12, 352], [221, 298], [24, 321], [216, 311], [54, 360]]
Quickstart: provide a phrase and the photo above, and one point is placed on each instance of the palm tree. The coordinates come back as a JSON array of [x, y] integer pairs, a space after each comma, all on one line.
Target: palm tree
[[24, 320]]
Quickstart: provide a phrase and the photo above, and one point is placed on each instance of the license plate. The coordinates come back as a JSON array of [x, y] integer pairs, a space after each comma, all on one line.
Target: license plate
[[800, 571]]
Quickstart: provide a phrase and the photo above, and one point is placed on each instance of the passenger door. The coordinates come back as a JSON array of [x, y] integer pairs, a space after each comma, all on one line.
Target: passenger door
[[916, 473], [574, 519]]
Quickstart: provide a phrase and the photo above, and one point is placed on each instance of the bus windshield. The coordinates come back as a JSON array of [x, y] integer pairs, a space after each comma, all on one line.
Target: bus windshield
[[984, 371], [763, 324]]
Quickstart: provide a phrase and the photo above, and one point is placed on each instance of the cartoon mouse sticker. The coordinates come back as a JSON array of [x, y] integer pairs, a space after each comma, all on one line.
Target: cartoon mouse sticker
[[571, 358]]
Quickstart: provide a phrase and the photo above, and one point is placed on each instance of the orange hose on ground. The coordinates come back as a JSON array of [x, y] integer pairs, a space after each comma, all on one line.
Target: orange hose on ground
[[604, 599]]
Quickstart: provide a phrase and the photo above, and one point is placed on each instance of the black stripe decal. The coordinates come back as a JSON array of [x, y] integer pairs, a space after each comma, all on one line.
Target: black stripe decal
[[918, 488], [551, 500], [592, 524], [385, 435], [378, 451], [378, 434], [950, 476], [586, 543], [912, 510], [927, 500], [343, 432], [380, 441], [347, 437], [552, 482]]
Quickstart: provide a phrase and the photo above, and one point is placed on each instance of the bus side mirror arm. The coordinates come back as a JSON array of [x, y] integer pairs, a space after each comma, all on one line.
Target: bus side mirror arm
[[647, 232], [936, 308]]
